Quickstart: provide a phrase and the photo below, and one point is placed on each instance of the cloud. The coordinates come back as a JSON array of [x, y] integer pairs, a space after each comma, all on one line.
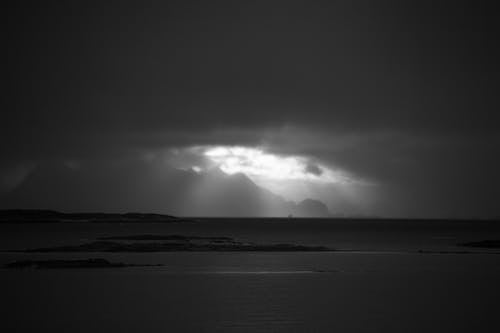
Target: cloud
[[313, 169], [402, 96]]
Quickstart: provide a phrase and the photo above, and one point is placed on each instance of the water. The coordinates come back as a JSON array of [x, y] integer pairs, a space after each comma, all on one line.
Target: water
[[387, 286]]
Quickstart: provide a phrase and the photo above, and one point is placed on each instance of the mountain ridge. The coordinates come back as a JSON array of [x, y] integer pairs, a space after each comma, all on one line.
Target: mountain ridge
[[143, 187]]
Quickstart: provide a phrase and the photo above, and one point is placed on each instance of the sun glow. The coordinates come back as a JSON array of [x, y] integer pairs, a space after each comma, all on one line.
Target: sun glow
[[256, 163]]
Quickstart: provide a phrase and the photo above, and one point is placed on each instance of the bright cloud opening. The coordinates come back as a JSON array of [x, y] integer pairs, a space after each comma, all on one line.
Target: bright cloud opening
[[256, 163], [293, 177]]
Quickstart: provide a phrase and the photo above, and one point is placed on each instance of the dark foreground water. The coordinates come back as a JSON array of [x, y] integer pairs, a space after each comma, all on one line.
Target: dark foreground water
[[385, 285]]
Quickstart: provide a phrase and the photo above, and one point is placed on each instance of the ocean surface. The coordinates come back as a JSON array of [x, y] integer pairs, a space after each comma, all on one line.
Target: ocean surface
[[387, 276]]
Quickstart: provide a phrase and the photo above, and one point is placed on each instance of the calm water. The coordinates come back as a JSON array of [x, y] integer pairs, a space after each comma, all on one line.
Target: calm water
[[385, 287]]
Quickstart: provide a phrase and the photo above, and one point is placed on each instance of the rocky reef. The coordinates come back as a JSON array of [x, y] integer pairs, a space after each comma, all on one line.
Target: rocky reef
[[172, 243]]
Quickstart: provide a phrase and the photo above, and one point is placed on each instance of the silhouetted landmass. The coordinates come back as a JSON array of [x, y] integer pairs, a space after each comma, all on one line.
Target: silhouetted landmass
[[176, 243], [489, 243], [40, 216], [146, 187], [168, 237], [80, 263], [310, 208]]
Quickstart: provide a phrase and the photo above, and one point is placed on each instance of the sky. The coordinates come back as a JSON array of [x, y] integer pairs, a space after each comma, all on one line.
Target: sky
[[384, 108]]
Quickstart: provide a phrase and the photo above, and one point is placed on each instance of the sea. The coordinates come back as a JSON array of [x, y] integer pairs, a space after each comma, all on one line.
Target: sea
[[383, 276]]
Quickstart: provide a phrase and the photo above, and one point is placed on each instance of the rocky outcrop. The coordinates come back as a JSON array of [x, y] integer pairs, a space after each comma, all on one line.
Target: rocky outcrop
[[176, 243]]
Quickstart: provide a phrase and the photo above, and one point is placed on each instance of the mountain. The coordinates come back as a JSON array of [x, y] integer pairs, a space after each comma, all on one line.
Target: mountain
[[141, 186], [310, 207]]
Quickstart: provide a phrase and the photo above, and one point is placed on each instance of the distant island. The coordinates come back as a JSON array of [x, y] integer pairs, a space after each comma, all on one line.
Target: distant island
[[51, 216]]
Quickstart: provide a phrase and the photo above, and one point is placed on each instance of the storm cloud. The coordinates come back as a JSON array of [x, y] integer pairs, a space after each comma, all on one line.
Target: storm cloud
[[401, 96]]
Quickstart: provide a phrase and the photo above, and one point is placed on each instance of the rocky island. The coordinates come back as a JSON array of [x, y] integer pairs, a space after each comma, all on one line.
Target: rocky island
[[172, 243]]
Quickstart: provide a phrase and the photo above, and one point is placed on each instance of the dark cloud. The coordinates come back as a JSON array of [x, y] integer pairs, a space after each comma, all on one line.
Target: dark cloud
[[313, 169], [403, 94]]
